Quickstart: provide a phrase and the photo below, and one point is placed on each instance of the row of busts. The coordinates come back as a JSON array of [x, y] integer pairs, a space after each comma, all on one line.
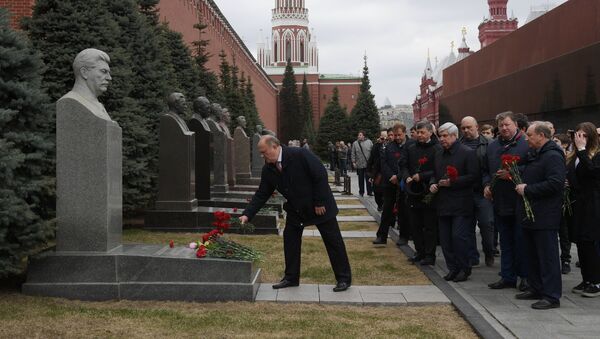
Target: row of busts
[[207, 111]]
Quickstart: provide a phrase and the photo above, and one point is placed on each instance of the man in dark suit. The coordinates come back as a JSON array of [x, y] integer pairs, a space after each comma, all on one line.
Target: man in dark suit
[[543, 184], [301, 178]]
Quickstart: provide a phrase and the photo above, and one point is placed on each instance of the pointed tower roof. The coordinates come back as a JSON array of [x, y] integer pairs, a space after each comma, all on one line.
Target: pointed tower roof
[[428, 70], [463, 50]]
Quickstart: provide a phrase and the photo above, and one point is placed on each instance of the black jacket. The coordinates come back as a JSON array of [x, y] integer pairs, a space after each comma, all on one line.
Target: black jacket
[[374, 164], [303, 182], [544, 173], [587, 205], [505, 196], [390, 157], [456, 200], [409, 163], [481, 152]]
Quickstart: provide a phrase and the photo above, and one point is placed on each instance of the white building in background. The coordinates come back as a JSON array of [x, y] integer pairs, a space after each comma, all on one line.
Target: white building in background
[[389, 116]]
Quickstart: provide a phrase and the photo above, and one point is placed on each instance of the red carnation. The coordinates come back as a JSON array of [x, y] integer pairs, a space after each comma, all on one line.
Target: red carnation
[[201, 252], [423, 161], [235, 210], [171, 243], [205, 237], [397, 154], [452, 173]]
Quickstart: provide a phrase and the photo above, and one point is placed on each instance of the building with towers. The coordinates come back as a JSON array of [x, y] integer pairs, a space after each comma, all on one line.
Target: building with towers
[[498, 24], [291, 39]]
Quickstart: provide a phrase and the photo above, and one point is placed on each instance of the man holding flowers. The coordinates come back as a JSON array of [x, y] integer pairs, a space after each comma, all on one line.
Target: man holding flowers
[[456, 173], [543, 184], [500, 188]]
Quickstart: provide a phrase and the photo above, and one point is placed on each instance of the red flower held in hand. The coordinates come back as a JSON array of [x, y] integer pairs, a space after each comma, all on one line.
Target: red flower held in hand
[[171, 243], [423, 161], [452, 173], [397, 154]]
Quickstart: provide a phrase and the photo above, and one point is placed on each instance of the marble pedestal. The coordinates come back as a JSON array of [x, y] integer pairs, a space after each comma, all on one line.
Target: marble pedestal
[[141, 272]]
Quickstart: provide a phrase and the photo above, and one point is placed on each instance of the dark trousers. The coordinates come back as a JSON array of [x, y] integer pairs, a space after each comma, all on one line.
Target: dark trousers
[[388, 218], [402, 215], [424, 228], [342, 166], [332, 163], [589, 258], [513, 260], [565, 242], [363, 179], [454, 234], [378, 193], [544, 263], [484, 218], [334, 244]]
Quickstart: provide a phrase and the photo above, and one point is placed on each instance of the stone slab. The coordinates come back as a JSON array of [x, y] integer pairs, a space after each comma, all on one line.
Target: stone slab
[[351, 207], [242, 153], [302, 293], [141, 272], [203, 156], [345, 234], [349, 297], [219, 179], [362, 218], [240, 204], [243, 188], [392, 299], [249, 181], [345, 197], [257, 160], [244, 195]]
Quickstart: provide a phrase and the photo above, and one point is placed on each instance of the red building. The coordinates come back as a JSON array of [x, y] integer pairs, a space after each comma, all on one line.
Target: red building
[[182, 15], [291, 39], [427, 103]]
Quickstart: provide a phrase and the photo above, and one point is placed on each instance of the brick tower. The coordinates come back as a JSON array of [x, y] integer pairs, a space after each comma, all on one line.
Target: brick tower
[[498, 24]]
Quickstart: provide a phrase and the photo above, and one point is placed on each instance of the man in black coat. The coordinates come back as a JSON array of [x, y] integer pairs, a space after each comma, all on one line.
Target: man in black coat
[[416, 175], [544, 179], [456, 173], [301, 178]]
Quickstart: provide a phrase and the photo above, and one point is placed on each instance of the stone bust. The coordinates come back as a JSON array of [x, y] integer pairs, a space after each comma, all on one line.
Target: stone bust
[[259, 129], [216, 112], [241, 121], [177, 103], [202, 107], [225, 121], [92, 77]]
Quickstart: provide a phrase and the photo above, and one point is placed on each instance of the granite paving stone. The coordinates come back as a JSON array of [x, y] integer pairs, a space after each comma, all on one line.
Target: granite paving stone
[[360, 218]]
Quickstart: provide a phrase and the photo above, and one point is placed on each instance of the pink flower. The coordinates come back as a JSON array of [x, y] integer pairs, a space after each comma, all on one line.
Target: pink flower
[[193, 245]]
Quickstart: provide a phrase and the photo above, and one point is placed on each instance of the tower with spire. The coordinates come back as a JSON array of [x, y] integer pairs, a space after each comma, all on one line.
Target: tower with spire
[[290, 39], [498, 24]]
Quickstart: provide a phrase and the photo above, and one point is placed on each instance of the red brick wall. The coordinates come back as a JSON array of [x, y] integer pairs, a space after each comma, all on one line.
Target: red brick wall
[[183, 14], [18, 9]]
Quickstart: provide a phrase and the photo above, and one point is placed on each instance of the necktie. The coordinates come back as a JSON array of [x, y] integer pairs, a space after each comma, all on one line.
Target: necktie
[[278, 165]]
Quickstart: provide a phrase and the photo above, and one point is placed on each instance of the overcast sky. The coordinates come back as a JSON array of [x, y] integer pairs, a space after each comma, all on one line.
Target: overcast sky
[[396, 35]]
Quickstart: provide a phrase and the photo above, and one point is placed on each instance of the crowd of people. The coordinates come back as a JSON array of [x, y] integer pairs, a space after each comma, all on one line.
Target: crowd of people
[[531, 192]]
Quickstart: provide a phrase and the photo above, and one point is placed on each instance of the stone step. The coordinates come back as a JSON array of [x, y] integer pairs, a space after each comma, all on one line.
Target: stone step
[[351, 207], [360, 218], [345, 234], [244, 188], [237, 203]]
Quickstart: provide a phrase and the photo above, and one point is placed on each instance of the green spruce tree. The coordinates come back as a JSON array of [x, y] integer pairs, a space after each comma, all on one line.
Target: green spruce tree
[[333, 124], [306, 110], [252, 116], [289, 112], [365, 115], [26, 152], [207, 80]]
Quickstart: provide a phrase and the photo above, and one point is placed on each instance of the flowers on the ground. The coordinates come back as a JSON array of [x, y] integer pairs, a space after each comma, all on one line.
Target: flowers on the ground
[[171, 243], [214, 245], [235, 210]]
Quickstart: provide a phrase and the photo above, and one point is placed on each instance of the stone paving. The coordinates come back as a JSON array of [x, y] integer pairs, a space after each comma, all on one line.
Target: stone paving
[[417, 295]]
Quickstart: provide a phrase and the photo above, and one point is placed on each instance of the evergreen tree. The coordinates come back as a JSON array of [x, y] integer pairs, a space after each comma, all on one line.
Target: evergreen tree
[[252, 116], [141, 70], [234, 99], [207, 80], [224, 77], [289, 107], [308, 131], [333, 124], [365, 115], [26, 152], [186, 75]]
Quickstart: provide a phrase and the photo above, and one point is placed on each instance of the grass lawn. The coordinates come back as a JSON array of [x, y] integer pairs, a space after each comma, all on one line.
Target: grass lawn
[[354, 212], [35, 317], [370, 266]]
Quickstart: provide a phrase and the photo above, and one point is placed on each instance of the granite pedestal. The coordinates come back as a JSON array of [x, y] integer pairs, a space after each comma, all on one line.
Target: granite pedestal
[[238, 203], [257, 159], [248, 181], [203, 156], [242, 153], [219, 183], [141, 272]]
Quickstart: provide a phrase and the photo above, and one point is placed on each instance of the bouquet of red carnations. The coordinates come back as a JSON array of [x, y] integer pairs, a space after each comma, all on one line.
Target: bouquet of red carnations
[[510, 163]]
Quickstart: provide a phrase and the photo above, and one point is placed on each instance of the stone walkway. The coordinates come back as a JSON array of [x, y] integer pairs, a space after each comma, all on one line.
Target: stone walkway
[[417, 295]]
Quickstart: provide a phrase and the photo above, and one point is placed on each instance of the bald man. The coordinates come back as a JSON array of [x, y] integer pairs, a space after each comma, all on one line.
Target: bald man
[[484, 210], [301, 178]]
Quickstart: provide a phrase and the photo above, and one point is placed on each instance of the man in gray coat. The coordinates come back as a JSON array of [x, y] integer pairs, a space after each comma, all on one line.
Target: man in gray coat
[[361, 151]]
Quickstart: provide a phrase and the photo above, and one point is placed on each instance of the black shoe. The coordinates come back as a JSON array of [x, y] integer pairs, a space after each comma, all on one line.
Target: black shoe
[[501, 284], [528, 295], [415, 258], [462, 276], [341, 286], [285, 283], [379, 208], [577, 264], [402, 242], [565, 267], [370, 194], [591, 291], [496, 253], [489, 260], [451, 275], [580, 288], [427, 261], [545, 305], [362, 194], [523, 285], [380, 241], [475, 263]]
